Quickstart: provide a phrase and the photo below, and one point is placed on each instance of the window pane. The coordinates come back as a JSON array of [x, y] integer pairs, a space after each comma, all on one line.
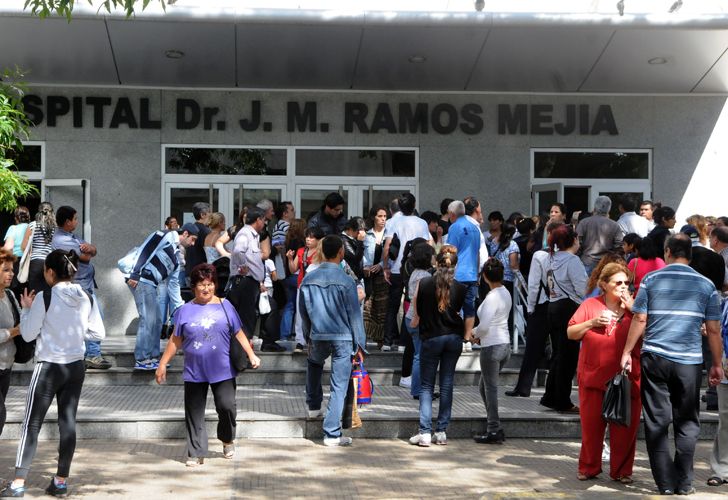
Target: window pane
[[226, 161], [27, 160], [615, 197], [381, 197], [355, 163], [313, 199], [575, 165]]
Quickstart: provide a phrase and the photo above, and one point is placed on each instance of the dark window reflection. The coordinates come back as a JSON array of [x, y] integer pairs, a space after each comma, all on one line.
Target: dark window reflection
[[607, 165], [226, 161], [353, 163], [27, 160]]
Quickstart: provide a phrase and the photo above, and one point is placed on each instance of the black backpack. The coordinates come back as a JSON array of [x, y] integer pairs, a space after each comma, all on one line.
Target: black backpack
[[24, 351]]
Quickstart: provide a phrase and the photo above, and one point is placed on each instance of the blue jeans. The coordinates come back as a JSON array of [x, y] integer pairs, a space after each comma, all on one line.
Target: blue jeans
[[340, 352], [416, 386], [445, 351], [93, 347], [150, 322], [471, 296], [169, 296], [290, 285]]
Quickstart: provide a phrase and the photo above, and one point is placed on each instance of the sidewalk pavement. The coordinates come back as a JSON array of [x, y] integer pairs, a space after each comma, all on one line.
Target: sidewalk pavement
[[299, 468]]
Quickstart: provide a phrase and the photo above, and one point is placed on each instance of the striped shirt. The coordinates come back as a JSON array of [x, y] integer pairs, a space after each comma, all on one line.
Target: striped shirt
[[677, 300], [41, 247]]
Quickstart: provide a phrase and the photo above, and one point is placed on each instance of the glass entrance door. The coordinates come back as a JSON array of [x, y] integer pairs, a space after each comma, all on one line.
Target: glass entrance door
[[75, 193], [543, 197], [359, 198]]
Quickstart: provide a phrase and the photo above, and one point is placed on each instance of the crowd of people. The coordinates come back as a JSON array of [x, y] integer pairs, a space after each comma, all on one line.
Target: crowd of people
[[603, 296]]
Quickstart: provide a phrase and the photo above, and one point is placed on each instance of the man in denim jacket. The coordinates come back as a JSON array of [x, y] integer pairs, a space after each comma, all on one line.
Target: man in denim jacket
[[332, 322]]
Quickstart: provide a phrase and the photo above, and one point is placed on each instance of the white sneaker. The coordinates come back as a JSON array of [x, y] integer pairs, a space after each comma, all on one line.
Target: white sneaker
[[405, 382], [315, 413], [467, 347], [339, 441], [386, 348], [423, 440], [401, 348], [440, 438]]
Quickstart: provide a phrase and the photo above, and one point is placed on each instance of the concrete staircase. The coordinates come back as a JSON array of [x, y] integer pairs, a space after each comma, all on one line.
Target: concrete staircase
[[126, 404]]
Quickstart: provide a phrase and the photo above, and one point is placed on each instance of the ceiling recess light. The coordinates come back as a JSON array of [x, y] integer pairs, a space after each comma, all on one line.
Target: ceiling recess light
[[174, 54], [417, 59], [657, 60]]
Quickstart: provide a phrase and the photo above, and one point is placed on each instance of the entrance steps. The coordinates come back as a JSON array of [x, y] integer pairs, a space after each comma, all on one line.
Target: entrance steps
[[121, 403]]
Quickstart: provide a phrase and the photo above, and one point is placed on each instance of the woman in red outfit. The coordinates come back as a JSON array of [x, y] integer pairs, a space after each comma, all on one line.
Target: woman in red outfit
[[602, 324]]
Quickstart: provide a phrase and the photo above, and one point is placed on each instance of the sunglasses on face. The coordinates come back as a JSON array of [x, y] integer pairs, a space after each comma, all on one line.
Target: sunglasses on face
[[620, 283]]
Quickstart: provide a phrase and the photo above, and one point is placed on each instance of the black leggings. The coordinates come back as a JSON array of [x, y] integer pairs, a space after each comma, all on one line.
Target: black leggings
[[4, 386], [64, 382], [195, 403]]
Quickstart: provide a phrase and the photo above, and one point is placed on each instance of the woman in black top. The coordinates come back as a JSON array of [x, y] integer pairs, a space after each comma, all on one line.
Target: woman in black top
[[439, 301], [664, 218]]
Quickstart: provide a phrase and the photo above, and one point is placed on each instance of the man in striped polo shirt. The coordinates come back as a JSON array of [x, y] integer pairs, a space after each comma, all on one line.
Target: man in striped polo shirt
[[669, 310]]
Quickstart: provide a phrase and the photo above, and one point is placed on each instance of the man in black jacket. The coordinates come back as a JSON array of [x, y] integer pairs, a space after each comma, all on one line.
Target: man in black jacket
[[331, 217]]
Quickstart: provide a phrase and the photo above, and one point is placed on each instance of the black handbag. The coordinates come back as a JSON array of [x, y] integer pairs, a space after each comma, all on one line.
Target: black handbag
[[238, 358], [616, 406], [24, 351]]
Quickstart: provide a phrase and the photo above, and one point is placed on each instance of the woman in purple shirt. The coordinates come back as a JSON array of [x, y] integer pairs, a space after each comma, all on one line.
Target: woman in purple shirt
[[204, 329]]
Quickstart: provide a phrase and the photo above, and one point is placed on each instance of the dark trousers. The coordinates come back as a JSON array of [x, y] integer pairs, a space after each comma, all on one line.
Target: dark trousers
[[4, 386], [409, 351], [711, 393], [270, 324], [36, 278], [671, 393], [244, 293], [565, 356], [536, 335], [49, 380], [195, 403], [391, 332]]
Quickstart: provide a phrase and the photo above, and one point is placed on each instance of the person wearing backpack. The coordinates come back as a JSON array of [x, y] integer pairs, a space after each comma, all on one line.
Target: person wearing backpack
[[9, 312], [60, 320]]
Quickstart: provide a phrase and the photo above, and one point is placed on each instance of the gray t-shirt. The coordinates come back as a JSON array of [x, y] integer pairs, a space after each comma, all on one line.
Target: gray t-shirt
[[7, 321], [415, 278]]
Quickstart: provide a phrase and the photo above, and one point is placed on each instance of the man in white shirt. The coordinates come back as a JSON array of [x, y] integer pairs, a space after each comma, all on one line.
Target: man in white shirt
[[404, 227], [629, 221], [646, 209]]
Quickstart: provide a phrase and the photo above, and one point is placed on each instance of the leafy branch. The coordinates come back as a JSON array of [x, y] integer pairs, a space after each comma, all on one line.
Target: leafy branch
[[64, 8], [13, 131]]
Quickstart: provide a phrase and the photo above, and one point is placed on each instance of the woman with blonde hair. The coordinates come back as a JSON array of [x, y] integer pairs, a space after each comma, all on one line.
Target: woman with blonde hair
[[214, 243], [602, 325], [701, 224], [439, 301]]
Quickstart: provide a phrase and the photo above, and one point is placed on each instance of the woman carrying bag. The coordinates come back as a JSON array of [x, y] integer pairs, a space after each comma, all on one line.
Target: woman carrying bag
[[602, 324], [40, 236], [204, 329]]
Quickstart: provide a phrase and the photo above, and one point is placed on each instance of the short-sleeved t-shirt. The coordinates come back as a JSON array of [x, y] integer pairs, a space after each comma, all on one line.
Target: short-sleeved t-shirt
[[504, 256], [676, 300], [406, 227], [465, 236], [17, 233], [206, 337]]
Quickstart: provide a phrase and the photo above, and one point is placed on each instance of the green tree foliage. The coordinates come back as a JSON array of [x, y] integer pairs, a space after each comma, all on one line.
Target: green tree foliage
[[45, 8], [13, 130]]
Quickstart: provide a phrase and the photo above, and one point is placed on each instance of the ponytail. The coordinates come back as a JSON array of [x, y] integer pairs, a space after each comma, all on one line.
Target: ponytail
[[446, 261], [64, 263]]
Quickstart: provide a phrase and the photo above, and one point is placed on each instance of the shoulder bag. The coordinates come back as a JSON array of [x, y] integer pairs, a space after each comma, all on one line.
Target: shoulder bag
[[238, 358], [24, 351], [24, 266]]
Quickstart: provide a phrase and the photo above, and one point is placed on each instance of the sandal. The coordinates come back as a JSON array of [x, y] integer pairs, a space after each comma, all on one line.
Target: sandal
[[584, 477], [625, 480], [194, 461], [716, 481]]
